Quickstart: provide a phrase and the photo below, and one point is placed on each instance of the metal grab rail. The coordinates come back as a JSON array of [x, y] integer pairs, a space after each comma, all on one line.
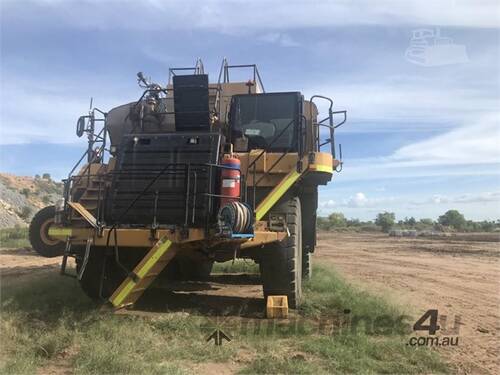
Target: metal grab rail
[[269, 145], [300, 144], [301, 140], [331, 126], [92, 155], [197, 69], [224, 73]]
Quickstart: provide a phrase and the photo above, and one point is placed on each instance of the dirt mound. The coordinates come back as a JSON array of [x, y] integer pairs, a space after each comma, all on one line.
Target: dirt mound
[[22, 196]]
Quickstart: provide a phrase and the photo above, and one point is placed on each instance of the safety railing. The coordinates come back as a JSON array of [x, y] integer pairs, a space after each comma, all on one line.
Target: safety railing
[[92, 155], [331, 126], [300, 152]]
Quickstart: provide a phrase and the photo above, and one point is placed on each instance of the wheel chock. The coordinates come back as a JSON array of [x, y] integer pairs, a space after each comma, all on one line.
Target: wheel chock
[[277, 307]]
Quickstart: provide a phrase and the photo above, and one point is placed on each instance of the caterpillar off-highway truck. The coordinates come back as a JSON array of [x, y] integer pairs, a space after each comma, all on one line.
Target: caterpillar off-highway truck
[[190, 174]]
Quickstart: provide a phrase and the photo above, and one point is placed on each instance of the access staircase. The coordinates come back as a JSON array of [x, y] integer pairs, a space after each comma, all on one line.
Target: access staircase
[[143, 274]]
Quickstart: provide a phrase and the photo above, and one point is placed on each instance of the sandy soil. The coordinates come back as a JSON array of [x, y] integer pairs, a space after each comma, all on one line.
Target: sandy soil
[[457, 277], [24, 261]]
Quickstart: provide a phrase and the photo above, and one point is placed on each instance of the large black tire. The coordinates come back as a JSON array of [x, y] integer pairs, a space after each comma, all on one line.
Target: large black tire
[[102, 262], [281, 262], [39, 237], [307, 260], [191, 269]]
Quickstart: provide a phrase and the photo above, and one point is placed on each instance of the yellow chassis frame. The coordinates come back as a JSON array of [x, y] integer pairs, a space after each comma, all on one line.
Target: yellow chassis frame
[[317, 162]]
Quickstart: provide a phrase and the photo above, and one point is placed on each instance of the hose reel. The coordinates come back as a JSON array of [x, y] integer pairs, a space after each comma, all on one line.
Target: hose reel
[[235, 218]]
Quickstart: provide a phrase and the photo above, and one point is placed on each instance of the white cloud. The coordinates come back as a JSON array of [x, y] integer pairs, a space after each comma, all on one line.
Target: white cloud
[[327, 204], [407, 103], [282, 39], [469, 150], [474, 143], [39, 110], [358, 200], [257, 15], [480, 197], [475, 206]]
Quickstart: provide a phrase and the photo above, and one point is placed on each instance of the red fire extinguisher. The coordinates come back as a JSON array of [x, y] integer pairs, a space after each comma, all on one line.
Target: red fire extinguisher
[[230, 180]]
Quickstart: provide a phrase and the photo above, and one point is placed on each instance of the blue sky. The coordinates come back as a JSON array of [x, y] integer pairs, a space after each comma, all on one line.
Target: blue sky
[[419, 140]]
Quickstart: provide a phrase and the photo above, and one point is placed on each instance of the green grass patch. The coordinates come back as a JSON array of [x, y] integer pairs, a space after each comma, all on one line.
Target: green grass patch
[[14, 237], [46, 319], [329, 294], [237, 266]]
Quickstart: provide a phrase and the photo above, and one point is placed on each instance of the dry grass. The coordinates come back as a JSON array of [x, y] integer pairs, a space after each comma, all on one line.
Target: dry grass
[[46, 319]]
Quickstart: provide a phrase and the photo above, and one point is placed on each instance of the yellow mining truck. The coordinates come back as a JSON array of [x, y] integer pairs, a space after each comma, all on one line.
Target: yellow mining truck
[[190, 174]]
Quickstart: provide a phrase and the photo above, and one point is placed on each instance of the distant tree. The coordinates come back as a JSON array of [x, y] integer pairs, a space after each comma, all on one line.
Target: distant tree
[[427, 221], [487, 226], [353, 223], [25, 212], [410, 221], [46, 199], [25, 192], [37, 177], [46, 176], [385, 220], [453, 218], [337, 219], [322, 223]]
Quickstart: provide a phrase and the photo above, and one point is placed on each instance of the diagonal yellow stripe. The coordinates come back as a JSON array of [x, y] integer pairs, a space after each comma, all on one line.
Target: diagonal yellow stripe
[[276, 194], [128, 284], [321, 168]]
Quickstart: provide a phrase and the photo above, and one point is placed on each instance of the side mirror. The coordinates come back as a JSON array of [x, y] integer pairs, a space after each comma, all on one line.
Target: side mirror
[[80, 126]]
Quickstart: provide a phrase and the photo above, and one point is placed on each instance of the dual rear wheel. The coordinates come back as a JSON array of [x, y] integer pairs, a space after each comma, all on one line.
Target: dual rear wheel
[[102, 274]]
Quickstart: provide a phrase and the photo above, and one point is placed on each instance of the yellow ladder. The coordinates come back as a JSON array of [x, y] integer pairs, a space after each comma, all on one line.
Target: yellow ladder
[[143, 274]]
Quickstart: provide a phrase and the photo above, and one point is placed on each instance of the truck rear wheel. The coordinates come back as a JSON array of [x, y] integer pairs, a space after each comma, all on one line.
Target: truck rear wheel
[[39, 237], [99, 265], [184, 268], [102, 264], [281, 263], [195, 269]]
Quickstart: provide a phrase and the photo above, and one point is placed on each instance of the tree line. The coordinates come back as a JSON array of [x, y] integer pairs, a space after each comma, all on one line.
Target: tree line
[[451, 220]]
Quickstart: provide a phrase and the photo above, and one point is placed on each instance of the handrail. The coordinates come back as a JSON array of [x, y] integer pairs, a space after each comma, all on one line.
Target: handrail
[[224, 73], [198, 68], [300, 153], [269, 145], [331, 126]]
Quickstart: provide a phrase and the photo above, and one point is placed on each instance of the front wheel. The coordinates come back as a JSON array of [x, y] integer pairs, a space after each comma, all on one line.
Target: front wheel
[[281, 262], [39, 237]]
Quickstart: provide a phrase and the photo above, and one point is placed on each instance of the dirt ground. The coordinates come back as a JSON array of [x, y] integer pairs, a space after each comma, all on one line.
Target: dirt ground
[[457, 277]]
